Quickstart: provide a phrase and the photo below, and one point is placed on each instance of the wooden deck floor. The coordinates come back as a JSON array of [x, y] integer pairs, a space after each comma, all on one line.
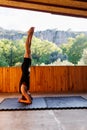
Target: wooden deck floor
[[43, 119]]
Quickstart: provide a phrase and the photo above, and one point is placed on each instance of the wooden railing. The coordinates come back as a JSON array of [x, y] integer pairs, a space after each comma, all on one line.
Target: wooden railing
[[46, 79], [9, 79]]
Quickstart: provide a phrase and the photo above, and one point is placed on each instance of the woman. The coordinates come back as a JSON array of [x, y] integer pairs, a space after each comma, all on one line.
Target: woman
[[24, 82]]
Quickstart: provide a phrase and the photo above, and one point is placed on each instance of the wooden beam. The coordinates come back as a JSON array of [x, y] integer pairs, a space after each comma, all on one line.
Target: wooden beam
[[65, 7]]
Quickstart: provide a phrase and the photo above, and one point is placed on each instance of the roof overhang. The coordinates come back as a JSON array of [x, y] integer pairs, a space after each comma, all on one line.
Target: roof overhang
[[76, 8]]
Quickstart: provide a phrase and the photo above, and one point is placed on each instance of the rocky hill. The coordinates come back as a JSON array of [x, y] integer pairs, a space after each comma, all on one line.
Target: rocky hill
[[11, 34], [53, 35], [56, 36]]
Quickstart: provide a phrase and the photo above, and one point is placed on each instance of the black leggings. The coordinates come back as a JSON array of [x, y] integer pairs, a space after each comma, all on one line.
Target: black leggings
[[25, 78]]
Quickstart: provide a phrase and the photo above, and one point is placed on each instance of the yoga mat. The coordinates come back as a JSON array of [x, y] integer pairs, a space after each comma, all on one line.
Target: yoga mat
[[41, 103]]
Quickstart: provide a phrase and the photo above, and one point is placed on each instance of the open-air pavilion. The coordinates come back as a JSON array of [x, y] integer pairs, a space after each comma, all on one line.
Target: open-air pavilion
[[69, 81]]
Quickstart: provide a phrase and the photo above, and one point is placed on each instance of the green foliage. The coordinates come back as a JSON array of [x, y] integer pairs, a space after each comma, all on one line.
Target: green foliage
[[44, 52], [76, 50], [10, 52], [84, 56], [3, 61], [66, 46], [83, 60], [4, 52]]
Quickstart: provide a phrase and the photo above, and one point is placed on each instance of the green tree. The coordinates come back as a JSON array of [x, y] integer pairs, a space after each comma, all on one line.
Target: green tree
[[83, 60], [76, 50], [41, 51], [84, 56], [11, 52], [18, 52], [66, 46], [4, 52]]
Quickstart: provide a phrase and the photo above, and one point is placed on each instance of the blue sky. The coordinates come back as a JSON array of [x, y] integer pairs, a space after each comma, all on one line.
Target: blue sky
[[22, 20]]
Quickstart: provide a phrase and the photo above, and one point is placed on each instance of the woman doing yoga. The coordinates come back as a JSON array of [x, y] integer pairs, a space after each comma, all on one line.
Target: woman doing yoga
[[24, 81]]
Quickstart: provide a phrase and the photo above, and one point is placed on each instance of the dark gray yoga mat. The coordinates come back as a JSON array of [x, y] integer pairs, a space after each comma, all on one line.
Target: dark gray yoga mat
[[40, 103]]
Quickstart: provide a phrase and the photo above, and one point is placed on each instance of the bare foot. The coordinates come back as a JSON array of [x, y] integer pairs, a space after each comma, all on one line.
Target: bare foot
[[31, 31]]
